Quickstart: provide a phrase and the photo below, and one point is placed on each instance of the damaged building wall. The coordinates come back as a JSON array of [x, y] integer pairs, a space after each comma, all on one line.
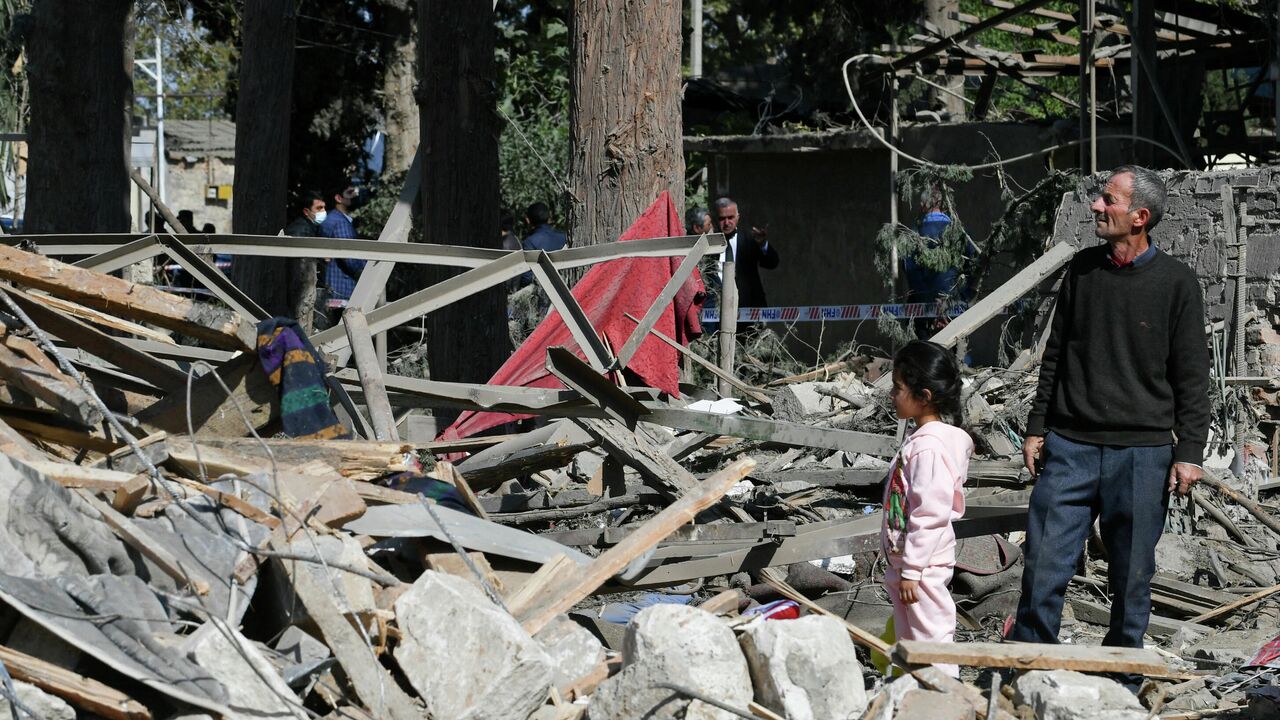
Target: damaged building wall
[[824, 196]]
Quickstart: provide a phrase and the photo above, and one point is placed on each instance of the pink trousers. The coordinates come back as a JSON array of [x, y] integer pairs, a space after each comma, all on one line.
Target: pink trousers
[[933, 616]]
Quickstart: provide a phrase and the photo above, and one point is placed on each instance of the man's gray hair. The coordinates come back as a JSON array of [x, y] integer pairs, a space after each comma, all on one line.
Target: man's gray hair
[[1149, 192], [695, 217], [724, 203]]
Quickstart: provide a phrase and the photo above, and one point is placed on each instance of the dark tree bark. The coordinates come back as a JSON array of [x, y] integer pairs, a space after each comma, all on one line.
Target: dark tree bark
[[262, 149], [467, 341], [625, 122], [80, 73]]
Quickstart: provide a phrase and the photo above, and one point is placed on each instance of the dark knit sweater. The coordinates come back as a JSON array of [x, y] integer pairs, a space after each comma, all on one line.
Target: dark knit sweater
[[1127, 363]]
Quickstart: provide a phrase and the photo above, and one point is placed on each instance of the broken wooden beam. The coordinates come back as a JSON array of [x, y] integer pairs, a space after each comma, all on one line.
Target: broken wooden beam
[[647, 536], [1233, 606], [214, 325], [1032, 656], [370, 370], [95, 342], [57, 390], [78, 690], [212, 412]]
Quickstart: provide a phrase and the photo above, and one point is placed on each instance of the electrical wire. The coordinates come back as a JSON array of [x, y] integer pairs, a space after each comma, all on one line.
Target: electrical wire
[[848, 86]]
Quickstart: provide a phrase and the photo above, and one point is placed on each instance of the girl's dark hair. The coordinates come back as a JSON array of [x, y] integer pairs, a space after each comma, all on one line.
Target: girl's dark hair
[[923, 365]]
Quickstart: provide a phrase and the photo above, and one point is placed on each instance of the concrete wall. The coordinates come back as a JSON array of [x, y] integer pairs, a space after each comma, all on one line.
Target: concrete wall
[[824, 207], [185, 187]]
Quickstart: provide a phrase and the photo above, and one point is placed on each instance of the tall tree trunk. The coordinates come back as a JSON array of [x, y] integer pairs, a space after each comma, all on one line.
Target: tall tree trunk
[[80, 64], [939, 13], [262, 149], [399, 106], [467, 341], [624, 115]]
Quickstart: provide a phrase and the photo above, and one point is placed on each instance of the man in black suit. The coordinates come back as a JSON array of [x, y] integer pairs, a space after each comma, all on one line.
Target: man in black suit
[[749, 248]]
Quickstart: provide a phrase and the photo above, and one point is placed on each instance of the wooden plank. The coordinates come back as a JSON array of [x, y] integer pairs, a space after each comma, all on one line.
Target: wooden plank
[[375, 687], [79, 476], [725, 602], [151, 549], [70, 401], [1233, 606], [448, 473], [370, 370], [555, 571], [214, 325], [354, 459], [107, 321], [212, 412], [752, 392], [65, 436], [645, 537], [1098, 614], [79, 690], [1033, 656], [95, 342]]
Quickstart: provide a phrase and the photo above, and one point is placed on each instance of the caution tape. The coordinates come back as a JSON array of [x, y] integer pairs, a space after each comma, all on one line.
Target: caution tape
[[830, 313]]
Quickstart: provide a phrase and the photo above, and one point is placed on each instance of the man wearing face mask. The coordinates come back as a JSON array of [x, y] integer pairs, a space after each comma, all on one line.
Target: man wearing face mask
[[340, 274], [302, 271]]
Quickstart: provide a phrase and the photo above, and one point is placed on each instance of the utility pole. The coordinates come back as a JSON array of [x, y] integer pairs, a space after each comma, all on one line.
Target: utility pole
[[695, 39], [154, 68]]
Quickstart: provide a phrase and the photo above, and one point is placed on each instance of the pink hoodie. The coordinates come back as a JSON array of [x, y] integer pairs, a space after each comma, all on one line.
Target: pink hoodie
[[935, 460]]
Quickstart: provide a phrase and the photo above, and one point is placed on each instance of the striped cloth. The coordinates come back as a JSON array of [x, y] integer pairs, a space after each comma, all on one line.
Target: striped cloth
[[294, 366]]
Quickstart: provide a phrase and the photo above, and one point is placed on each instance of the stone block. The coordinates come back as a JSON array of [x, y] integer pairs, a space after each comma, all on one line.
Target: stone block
[[893, 693], [1180, 555], [41, 704], [298, 646], [805, 669], [254, 688], [1263, 259], [681, 645], [467, 658], [794, 402], [933, 705], [1069, 695], [1230, 649], [572, 649]]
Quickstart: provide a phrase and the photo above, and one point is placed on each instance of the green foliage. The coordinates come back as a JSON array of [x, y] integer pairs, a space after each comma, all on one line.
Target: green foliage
[[533, 151], [949, 251], [195, 65]]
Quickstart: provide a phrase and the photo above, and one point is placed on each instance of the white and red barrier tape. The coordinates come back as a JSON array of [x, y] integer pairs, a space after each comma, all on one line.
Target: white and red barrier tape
[[828, 313]]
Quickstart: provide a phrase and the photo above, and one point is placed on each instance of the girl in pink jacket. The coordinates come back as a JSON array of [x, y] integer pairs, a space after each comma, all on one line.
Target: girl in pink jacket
[[925, 494]]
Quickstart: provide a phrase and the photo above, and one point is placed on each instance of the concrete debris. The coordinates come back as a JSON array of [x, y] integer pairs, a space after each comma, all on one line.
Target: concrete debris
[[36, 702], [805, 669], [1069, 695], [189, 570], [680, 645], [467, 657]]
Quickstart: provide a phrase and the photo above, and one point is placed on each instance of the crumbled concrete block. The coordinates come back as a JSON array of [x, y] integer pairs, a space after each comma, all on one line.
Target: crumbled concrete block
[[466, 657], [298, 646], [805, 669], [1230, 649], [1069, 695], [681, 645], [933, 705], [572, 649], [795, 401], [893, 693], [41, 704], [254, 688], [1180, 555]]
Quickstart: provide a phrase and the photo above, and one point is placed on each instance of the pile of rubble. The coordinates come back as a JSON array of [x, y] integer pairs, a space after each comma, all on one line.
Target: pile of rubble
[[172, 551]]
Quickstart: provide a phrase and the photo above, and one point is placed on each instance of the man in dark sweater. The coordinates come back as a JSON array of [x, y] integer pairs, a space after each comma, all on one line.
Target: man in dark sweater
[[1121, 413]]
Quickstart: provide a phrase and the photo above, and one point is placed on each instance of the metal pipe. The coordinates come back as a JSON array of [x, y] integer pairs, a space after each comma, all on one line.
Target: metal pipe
[[695, 38], [728, 321]]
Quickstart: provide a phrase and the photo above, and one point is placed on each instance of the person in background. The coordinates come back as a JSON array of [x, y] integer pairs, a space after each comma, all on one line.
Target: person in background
[[542, 236], [697, 221], [924, 284], [749, 248], [341, 274], [507, 231], [311, 214], [925, 495], [188, 221]]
